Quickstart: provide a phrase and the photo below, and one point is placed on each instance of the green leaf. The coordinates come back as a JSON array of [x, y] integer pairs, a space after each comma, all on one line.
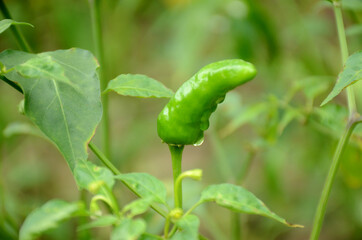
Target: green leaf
[[137, 85], [97, 180], [148, 236], [249, 114], [129, 229], [145, 185], [137, 207], [189, 226], [6, 23], [18, 128], [102, 221], [351, 74], [62, 96], [48, 217], [240, 200], [89, 176], [354, 30], [354, 5]]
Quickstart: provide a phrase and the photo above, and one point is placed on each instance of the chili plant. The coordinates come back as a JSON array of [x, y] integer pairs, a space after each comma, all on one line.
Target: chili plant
[[62, 97], [65, 97]]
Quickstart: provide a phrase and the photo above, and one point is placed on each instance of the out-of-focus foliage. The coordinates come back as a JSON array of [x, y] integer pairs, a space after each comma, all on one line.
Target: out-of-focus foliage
[[273, 127]]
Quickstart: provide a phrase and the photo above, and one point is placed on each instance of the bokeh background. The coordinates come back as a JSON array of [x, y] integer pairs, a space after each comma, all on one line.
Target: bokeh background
[[270, 135]]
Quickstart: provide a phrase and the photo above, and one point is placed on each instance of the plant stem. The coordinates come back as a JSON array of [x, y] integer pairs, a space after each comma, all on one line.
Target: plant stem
[[235, 226], [23, 44], [167, 227], [353, 121], [99, 52], [104, 159], [111, 167], [176, 156], [318, 219], [344, 52]]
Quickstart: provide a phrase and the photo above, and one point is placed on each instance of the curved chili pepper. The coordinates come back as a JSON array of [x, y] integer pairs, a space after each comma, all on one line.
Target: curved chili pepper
[[186, 116]]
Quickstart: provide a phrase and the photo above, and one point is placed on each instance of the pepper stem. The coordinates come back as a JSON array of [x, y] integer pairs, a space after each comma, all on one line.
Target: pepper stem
[[176, 156]]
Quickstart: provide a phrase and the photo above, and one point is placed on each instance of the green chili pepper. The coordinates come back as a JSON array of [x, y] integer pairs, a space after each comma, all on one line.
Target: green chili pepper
[[186, 116]]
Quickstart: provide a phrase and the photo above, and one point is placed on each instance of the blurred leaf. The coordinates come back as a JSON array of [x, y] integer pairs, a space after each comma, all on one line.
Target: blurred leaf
[[145, 185], [102, 221], [48, 217], [18, 128], [314, 86], [333, 117], [354, 30], [189, 226], [249, 114], [289, 115], [138, 206], [351, 167], [60, 87], [240, 200], [97, 180], [6, 23], [147, 236], [354, 5], [129, 229], [137, 85], [352, 73]]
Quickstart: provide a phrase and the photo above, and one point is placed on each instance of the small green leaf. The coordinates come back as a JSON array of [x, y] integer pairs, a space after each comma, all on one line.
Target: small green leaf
[[145, 185], [90, 176], [148, 236], [189, 226], [6, 23], [240, 200], [102, 221], [48, 217], [129, 229], [351, 74], [18, 128], [249, 114], [137, 207], [137, 85], [97, 180]]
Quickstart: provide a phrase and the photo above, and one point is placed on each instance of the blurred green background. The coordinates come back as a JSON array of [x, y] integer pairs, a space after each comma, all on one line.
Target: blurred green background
[[269, 135]]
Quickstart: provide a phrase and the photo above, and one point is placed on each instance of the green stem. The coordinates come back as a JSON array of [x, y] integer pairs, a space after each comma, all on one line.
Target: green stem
[[318, 219], [235, 226], [167, 227], [104, 159], [111, 167], [344, 52], [99, 52], [23, 44], [176, 156]]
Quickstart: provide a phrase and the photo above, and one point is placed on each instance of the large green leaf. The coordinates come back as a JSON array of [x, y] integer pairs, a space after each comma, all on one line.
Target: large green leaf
[[138, 85], [189, 226], [240, 200], [145, 185], [62, 96], [352, 73], [6, 23], [48, 217], [129, 229]]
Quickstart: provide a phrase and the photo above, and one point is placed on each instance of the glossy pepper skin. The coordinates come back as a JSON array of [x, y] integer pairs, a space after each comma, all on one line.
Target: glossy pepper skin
[[186, 116]]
